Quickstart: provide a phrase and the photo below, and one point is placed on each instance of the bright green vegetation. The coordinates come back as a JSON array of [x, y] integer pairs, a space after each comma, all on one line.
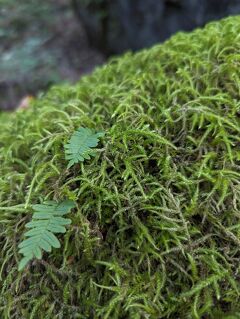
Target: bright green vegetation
[[156, 228], [46, 220]]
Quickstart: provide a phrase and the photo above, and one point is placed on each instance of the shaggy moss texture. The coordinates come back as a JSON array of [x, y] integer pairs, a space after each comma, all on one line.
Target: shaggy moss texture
[[156, 232]]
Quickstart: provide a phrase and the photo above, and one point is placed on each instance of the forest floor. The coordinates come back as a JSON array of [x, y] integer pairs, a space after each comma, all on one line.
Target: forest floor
[[41, 44]]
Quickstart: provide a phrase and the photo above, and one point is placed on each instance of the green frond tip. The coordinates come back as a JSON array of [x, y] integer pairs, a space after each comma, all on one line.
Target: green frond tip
[[80, 145], [46, 220]]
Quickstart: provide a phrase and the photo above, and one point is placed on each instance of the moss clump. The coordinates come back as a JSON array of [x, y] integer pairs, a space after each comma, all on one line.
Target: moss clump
[[157, 230]]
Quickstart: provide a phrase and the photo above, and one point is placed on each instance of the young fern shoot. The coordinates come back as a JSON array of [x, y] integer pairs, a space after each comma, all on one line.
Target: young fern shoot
[[48, 217], [47, 220], [80, 145]]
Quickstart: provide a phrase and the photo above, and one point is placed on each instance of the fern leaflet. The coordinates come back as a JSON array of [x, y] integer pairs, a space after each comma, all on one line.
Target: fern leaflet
[[80, 145], [46, 220]]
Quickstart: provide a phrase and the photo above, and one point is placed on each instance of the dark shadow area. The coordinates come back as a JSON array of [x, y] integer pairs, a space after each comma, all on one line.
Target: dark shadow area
[[119, 25]]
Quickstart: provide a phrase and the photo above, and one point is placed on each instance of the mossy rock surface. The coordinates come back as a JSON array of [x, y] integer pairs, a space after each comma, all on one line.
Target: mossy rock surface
[[156, 232]]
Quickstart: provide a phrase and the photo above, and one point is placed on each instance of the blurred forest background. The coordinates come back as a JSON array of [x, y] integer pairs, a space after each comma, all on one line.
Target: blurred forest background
[[52, 41]]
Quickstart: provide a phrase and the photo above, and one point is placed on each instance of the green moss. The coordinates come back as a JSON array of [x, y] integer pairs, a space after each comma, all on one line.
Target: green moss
[[157, 230]]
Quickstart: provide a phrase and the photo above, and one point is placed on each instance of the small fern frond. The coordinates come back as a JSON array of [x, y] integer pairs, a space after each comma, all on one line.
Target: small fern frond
[[46, 220], [80, 145]]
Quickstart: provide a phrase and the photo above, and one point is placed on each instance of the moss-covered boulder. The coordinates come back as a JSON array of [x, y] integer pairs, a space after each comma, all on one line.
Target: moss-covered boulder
[[156, 231]]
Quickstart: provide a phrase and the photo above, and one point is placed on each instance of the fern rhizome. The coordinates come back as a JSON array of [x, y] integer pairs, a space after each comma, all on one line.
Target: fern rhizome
[[156, 228]]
